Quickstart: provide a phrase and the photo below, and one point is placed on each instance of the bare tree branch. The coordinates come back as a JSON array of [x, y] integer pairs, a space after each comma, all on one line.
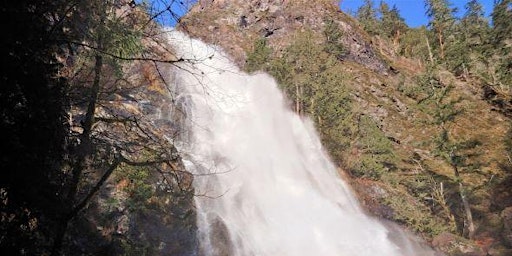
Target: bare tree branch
[[95, 189]]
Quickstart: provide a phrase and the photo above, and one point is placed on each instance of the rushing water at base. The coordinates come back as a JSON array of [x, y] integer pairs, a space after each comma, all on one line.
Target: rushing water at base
[[264, 184]]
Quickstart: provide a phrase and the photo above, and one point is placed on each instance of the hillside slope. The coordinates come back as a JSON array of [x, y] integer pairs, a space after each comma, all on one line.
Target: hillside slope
[[412, 139]]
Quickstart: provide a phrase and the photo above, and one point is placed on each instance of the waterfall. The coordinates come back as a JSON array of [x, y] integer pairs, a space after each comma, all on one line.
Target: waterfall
[[264, 184]]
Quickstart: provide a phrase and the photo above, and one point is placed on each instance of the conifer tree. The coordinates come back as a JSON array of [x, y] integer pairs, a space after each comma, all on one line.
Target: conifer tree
[[474, 22], [333, 35], [471, 37], [443, 110], [367, 15], [258, 58], [392, 24], [502, 40], [441, 22], [501, 17]]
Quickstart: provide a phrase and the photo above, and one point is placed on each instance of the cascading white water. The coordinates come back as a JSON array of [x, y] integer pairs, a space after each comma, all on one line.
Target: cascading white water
[[264, 184]]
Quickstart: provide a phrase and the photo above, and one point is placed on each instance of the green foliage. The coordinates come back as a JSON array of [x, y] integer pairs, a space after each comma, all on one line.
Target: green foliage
[[436, 101], [384, 22], [298, 69], [441, 22], [139, 189], [116, 40], [466, 47], [373, 140], [335, 120], [122, 40], [280, 69], [456, 153], [333, 35], [415, 215], [112, 203], [440, 13], [367, 15], [413, 90], [391, 23], [432, 97], [136, 248], [501, 17], [378, 155], [413, 44], [259, 57], [308, 74], [456, 58], [445, 111], [502, 36], [476, 26]]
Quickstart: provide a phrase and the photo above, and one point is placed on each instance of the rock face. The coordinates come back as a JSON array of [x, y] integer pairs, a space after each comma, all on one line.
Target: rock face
[[145, 209], [235, 25], [420, 190]]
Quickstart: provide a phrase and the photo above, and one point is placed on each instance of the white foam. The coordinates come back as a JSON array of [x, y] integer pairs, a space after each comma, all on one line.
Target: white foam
[[275, 191]]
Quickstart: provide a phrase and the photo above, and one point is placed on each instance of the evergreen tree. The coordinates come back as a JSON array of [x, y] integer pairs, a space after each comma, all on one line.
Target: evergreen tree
[[333, 36], [415, 44], [456, 51], [258, 57], [392, 24], [367, 15], [502, 40], [474, 22], [310, 77], [472, 34], [441, 22], [377, 152], [443, 110], [501, 19]]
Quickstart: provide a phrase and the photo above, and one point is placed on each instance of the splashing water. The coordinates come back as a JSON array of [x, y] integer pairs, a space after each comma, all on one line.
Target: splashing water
[[264, 184]]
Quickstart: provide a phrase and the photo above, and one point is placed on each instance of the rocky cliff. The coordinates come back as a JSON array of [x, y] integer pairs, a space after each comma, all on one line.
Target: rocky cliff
[[392, 158], [246, 21], [143, 208]]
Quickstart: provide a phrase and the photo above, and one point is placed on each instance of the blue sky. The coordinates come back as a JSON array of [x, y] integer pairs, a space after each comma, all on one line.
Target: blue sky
[[413, 11]]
